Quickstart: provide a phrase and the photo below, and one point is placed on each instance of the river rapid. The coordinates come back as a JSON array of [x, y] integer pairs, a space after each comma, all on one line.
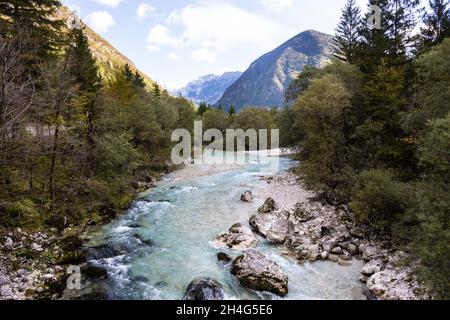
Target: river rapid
[[165, 239]]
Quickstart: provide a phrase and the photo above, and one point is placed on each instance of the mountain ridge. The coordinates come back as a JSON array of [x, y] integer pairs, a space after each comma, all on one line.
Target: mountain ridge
[[209, 88], [264, 82], [109, 58]]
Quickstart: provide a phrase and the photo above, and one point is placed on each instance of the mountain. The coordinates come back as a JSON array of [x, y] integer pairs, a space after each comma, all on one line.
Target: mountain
[[209, 88], [109, 58], [264, 82]]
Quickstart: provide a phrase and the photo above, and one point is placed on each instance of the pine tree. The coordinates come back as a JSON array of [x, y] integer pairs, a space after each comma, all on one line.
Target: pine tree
[[437, 23], [374, 41], [157, 91], [202, 108], [347, 33], [85, 75], [127, 72], [232, 110], [402, 16], [138, 81]]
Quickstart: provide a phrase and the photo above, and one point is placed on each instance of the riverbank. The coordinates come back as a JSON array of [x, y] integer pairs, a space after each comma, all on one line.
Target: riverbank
[[321, 232], [324, 232]]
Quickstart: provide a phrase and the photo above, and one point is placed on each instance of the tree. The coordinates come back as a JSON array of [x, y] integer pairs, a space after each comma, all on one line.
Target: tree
[[431, 208], [402, 17], [300, 84], [346, 39], [127, 72], [432, 89], [232, 111], [85, 74], [437, 23], [38, 17], [320, 113], [157, 91], [138, 81], [202, 108]]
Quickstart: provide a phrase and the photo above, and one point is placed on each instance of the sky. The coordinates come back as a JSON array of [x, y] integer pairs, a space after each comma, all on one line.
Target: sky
[[177, 41]]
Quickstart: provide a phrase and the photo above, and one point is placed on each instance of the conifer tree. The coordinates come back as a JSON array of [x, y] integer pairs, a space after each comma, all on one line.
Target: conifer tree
[[138, 81], [157, 91], [437, 23], [347, 33], [202, 108], [232, 110]]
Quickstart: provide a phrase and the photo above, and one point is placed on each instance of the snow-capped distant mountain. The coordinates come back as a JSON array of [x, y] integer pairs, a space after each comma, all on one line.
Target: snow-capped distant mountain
[[209, 88]]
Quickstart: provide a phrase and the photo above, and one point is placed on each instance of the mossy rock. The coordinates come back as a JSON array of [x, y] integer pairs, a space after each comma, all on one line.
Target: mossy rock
[[74, 257]]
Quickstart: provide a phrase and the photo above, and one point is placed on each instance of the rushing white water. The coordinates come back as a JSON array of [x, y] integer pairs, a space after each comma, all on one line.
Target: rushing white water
[[165, 242]]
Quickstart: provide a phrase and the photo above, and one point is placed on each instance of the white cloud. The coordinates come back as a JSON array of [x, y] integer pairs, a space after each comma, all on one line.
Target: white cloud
[[144, 10], [174, 56], [100, 21], [277, 5], [160, 36], [216, 27], [153, 48], [204, 55], [111, 3]]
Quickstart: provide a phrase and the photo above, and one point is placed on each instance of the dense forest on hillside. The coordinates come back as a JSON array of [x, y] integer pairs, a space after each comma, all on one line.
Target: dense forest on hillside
[[71, 142]]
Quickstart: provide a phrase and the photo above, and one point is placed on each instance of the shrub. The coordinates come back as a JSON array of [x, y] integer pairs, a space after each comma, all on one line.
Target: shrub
[[378, 199]]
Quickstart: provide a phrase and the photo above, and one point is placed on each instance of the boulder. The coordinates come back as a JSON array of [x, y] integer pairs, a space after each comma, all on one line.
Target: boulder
[[239, 237], [223, 257], [304, 212], [247, 196], [371, 268], [71, 243], [256, 272], [57, 221], [263, 222], [93, 272], [204, 289], [302, 248], [280, 230], [268, 206]]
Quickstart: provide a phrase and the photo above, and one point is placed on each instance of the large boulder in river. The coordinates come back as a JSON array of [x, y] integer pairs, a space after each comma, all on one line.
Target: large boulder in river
[[268, 206], [204, 289], [239, 237], [280, 230], [255, 271], [263, 222], [247, 196]]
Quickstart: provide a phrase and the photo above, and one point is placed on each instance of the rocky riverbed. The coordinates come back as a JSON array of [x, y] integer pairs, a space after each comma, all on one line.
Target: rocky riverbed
[[33, 265], [309, 230]]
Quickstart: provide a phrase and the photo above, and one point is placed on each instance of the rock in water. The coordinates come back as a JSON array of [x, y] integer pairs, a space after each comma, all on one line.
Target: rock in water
[[239, 237], [280, 230], [222, 256], [263, 222], [268, 206], [247, 196], [256, 272], [204, 289]]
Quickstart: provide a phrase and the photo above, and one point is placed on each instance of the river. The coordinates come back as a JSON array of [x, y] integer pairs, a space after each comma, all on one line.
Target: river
[[166, 237]]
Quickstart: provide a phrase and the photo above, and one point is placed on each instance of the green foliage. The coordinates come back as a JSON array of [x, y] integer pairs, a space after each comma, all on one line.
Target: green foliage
[[346, 40], [320, 113], [202, 108], [215, 119], [437, 23], [378, 198], [432, 88]]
